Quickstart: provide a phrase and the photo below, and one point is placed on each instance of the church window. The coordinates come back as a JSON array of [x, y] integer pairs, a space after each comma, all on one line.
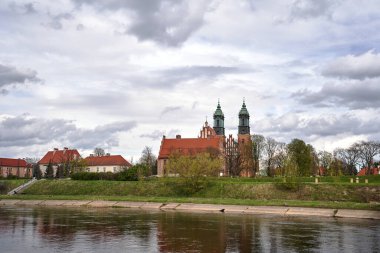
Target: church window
[[217, 122]]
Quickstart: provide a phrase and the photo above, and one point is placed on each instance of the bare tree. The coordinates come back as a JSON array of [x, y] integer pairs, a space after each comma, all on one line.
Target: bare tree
[[149, 159], [279, 160], [99, 152], [350, 158], [258, 143], [367, 152], [271, 148]]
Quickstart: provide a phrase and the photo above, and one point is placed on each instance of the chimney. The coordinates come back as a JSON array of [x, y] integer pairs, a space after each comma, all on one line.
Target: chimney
[[178, 136], [163, 137], [65, 148], [108, 154], [91, 155], [55, 149]]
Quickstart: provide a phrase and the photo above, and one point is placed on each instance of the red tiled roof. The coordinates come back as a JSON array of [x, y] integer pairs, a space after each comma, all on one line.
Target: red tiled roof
[[187, 146], [107, 160], [373, 171], [10, 162], [60, 156]]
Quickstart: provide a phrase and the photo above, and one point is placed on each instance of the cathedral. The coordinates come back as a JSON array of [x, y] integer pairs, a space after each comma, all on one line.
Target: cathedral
[[214, 137]]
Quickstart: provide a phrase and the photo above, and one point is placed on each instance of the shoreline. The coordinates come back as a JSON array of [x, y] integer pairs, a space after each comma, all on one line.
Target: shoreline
[[208, 208]]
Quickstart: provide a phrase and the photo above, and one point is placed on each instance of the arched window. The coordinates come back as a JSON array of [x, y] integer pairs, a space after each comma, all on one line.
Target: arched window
[[217, 122]]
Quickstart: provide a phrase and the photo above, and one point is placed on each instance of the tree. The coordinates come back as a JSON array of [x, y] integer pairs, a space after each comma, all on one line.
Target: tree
[[270, 149], [49, 173], [99, 152], [258, 143], [302, 156], [37, 171], [149, 159], [193, 171], [279, 160], [367, 152], [325, 160], [349, 157], [246, 159], [60, 171]]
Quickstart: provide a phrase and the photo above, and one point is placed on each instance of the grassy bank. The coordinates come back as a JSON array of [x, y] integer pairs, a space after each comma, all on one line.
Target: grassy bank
[[7, 185], [333, 194]]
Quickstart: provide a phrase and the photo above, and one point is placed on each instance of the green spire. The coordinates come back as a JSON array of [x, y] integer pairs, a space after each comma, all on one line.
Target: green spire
[[243, 110], [218, 111]]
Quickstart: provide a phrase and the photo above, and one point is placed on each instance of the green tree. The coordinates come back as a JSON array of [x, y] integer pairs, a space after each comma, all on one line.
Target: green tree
[[37, 173], [49, 173], [302, 155], [193, 171]]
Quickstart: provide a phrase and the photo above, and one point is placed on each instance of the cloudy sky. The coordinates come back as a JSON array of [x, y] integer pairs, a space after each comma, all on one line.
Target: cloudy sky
[[119, 74]]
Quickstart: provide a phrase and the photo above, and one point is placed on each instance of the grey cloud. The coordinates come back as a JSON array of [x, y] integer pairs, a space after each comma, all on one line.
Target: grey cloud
[[24, 131], [168, 22], [170, 109], [293, 125], [27, 8], [155, 135], [171, 77], [304, 9], [80, 27], [11, 76], [56, 20], [353, 95], [358, 67]]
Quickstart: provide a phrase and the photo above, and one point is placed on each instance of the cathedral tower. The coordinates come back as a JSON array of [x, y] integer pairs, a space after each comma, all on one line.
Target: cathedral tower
[[219, 120], [244, 129]]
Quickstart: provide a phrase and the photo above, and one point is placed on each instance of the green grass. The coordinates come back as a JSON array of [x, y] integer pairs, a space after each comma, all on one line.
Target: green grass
[[7, 185], [332, 192]]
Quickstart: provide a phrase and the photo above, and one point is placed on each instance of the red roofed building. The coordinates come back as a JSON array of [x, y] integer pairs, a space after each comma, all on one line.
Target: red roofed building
[[15, 167], [185, 146], [373, 171], [107, 163], [58, 157]]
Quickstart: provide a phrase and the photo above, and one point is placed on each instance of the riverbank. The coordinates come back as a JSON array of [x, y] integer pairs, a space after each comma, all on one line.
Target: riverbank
[[236, 209]]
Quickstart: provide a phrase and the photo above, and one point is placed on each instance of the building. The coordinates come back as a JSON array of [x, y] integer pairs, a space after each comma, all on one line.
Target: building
[[373, 171], [213, 138], [57, 158], [15, 167], [107, 163]]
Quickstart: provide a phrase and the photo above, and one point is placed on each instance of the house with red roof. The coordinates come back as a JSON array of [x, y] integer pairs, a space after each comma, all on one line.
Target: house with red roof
[[58, 157], [207, 140], [107, 163], [373, 171], [15, 167]]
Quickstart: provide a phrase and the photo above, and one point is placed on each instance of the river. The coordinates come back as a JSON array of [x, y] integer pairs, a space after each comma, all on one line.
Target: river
[[30, 230]]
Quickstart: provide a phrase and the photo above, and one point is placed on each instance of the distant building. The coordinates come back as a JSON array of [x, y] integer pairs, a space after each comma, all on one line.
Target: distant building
[[212, 138], [15, 167], [107, 163], [373, 171], [58, 157]]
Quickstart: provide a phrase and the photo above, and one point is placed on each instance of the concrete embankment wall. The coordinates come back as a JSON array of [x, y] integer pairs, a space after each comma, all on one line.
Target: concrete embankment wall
[[237, 209]]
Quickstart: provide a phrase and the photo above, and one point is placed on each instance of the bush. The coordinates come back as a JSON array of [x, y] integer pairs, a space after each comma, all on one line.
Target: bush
[[12, 177]]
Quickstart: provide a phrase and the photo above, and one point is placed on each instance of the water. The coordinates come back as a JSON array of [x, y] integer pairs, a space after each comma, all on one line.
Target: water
[[58, 229]]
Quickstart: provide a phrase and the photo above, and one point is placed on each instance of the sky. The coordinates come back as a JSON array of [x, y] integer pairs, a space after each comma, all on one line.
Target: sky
[[120, 74]]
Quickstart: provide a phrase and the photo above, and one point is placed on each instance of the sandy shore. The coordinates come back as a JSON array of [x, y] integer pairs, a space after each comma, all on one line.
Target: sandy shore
[[237, 209]]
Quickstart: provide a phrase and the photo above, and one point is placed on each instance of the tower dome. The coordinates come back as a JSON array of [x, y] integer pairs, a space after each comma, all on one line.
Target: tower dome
[[219, 120], [244, 120]]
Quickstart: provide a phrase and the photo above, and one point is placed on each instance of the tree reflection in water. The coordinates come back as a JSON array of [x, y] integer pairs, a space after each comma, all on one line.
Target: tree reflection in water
[[119, 230]]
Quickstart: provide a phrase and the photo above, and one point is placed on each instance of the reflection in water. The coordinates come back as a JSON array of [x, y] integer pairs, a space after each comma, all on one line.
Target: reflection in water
[[125, 230]]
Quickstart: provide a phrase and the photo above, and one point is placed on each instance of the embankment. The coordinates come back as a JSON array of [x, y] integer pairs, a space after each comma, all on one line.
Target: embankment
[[186, 207]]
